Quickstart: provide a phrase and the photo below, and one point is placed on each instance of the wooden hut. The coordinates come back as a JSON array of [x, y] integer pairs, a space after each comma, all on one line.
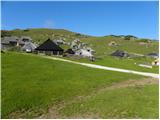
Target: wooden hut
[[120, 53], [69, 51], [49, 48]]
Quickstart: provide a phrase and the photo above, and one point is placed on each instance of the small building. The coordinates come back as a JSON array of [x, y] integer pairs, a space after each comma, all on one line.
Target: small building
[[155, 62], [13, 41], [59, 42], [112, 43], [142, 43], [49, 48], [7, 42], [90, 50], [84, 53], [29, 47], [69, 51], [153, 55], [120, 53], [26, 39]]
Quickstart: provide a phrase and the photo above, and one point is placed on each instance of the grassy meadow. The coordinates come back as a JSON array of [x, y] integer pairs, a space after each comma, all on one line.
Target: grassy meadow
[[40, 35], [124, 63], [32, 84], [100, 45], [131, 102]]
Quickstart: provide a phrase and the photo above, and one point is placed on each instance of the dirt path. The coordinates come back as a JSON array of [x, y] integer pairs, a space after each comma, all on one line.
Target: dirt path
[[105, 68], [53, 111]]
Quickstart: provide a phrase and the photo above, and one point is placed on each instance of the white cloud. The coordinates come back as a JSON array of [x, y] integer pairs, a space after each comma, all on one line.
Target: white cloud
[[49, 24]]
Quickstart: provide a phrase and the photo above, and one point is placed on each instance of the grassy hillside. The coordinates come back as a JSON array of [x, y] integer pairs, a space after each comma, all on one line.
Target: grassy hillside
[[124, 63], [101, 46], [103, 51], [39, 35], [123, 103], [31, 84]]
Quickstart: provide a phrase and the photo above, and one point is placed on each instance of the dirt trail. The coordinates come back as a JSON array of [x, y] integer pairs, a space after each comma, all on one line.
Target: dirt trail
[[105, 67], [53, 111]]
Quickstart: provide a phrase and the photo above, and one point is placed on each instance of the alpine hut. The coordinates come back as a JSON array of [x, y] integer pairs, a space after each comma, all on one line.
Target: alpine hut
[[69, 51], [49, 48], [120, 53], [153, 55], [28, 47]]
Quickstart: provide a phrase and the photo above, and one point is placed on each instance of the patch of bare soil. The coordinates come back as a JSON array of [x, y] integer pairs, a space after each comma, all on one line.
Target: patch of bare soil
[[53, 111]]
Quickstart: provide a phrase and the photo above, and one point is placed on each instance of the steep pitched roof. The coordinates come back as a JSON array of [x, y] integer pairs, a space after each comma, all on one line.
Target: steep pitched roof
[[9, 39], [49, 45], [119, 53], [25, 39], [29, 45], [153, 54]]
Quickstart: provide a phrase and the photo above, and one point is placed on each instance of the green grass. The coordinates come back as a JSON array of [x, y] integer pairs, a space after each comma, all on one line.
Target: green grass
[[132, 102], [123, 63], [40, 35], [103, 51], [32, 83], [100, 45]]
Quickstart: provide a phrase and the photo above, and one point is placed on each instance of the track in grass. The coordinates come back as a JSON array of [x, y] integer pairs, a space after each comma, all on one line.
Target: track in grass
[[53, 112], [31, 83]]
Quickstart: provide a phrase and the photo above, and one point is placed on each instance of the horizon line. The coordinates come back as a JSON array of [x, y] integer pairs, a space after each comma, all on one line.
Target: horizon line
[[80, 32]]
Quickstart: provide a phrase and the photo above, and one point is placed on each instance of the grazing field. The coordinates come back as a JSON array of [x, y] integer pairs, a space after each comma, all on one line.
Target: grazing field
[[100, 45], [123, 63], [131, 102], [31, 85], [103, 51], [39, 35]]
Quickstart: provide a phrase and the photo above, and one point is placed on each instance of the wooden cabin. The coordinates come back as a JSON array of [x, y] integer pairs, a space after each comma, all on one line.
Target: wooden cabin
[[49, 48]]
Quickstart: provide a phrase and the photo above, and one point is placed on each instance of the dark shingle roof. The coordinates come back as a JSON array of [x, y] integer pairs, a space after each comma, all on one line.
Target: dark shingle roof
[[119, 53], [25, 38], [153, 54], [49, 45]]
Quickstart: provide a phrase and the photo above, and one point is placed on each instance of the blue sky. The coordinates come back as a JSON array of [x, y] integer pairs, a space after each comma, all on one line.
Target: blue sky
[[92, 18]]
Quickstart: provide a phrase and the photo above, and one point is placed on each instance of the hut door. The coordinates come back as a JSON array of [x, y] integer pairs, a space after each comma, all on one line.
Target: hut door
[[54, 52]]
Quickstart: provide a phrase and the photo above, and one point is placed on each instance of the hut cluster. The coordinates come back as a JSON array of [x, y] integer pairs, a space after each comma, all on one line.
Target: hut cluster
[[23, 43], [76, 48], [49, 47]]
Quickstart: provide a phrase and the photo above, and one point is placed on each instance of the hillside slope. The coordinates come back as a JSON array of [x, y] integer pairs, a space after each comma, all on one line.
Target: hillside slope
[[39, 35], [31, 85], [24, 76], [100, 44]]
